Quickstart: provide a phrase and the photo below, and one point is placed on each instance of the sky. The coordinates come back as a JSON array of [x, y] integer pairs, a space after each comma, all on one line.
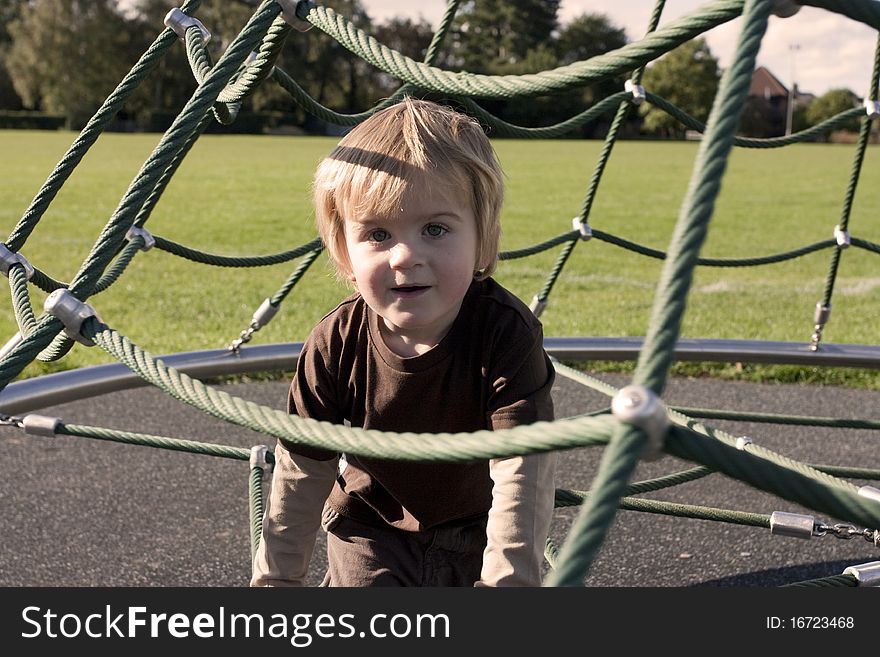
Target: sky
[[817, 49]]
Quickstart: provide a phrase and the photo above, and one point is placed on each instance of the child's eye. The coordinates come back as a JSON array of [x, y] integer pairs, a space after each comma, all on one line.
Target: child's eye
[[378, 235], [435, 230]]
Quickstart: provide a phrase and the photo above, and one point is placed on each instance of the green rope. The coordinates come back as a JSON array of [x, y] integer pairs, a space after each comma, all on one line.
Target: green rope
[[805, 135], [162, 183], [221, 89], [605, 154], [235, 261], [538, 248], [773, 418], [256, 509], [527, 439], [695, 512], [113, 234], [502, 128], [834, 581], [294, 277], [506, 86], [149, 440], [864, 11], [248, 77], [855, 174], [716, 262], [106, 113], [21, 300], [620, 457]]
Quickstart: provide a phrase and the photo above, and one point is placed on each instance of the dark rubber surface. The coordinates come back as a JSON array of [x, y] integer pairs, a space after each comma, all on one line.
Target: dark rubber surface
[[84, 512]]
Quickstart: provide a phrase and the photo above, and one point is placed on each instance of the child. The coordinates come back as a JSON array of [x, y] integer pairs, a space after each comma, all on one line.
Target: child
[[408, 207]]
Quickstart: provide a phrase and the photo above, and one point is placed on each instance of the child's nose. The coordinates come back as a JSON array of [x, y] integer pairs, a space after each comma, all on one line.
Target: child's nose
[[404, 255]]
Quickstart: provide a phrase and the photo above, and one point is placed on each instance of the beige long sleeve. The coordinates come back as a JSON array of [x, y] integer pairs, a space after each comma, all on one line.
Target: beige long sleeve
[[523, 494], [300, 487]]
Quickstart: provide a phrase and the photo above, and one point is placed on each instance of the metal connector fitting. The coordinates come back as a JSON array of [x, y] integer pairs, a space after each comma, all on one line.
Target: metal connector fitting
[[537, 306], [144, 234], [785, 8], [797, 525], [842, 237], [264, 314], [822, 313], [258, 457], [637, 91], [870, 493], [583, 228], [866, 574], [288, 12], [181, 22], [742, 442], [872, 108], [72, 312], [40, 425], [641, 407], [9, 258]]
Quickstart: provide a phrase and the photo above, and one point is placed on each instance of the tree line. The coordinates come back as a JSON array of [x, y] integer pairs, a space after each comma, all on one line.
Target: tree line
[[64, 57]]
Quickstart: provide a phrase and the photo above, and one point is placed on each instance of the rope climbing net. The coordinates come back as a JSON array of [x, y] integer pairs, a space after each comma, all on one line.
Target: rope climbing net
[[637, 424]]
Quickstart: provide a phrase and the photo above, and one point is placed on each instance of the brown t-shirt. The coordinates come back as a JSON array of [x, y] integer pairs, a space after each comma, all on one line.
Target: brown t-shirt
[[489, 372]]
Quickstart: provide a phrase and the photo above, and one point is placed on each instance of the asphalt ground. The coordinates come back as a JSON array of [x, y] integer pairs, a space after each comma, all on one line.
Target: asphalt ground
[[85, 512]]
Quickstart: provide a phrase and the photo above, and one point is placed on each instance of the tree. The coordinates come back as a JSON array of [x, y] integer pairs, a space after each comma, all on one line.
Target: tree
[[687, 77], [407, 37], [586, 36], [492, 34], [583, 38], [831, 104], [9, 11], [68, 55]]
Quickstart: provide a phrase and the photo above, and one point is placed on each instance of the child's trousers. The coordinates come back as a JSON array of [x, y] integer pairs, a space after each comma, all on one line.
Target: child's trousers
[[361, 555]]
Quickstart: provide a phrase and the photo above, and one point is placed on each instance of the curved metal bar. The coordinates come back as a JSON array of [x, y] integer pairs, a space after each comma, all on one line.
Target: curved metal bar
[[62, 387]]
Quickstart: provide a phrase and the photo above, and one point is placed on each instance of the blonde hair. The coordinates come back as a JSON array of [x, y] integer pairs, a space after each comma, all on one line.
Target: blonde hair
[[414, 141]]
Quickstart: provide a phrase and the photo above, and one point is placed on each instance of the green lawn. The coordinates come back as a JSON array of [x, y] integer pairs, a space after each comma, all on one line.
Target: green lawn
[[246, 195]]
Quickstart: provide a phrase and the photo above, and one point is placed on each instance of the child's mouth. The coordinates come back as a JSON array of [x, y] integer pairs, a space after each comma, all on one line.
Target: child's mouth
[[409, 290]]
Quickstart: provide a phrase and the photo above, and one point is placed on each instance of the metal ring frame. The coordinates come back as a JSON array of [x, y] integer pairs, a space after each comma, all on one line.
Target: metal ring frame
[[39, 392]]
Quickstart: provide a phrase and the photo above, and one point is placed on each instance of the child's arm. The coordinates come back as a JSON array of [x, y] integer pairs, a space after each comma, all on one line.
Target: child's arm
[[523, 495], [301, 482], [523, 487], [300, 485]]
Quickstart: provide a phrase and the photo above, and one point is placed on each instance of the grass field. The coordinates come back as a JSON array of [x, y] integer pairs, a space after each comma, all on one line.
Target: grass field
[[245, 195]]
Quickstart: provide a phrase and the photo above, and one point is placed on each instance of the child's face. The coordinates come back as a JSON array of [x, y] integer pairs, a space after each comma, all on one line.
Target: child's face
[[414, 267]]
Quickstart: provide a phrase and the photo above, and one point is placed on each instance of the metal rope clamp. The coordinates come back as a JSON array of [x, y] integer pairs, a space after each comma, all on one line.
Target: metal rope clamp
[[798, 525], [537, 306], [785, 8], [9, 258], [641, 407], [586, 233], [637, 91], [870, 493], [872, 108], [822, 314], [181, 22], [40, 425], [842, 237], [258, 458], [288, 12], [144, 234], [72, 312], [866, 574]]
